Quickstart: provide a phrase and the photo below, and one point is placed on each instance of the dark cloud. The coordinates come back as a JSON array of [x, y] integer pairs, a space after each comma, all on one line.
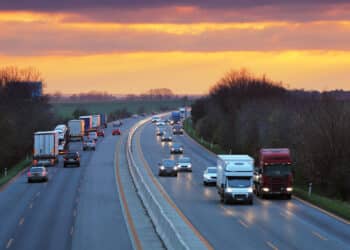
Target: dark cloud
[[66, 5]]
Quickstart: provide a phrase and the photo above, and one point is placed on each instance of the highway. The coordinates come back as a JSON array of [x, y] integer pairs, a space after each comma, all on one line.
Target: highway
[[78, 208], [268, 224]]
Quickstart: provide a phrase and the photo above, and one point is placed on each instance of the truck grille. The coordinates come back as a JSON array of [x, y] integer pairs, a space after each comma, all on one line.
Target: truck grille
[[240, 196]]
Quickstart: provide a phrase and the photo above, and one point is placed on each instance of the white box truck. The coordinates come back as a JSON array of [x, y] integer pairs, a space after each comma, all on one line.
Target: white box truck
[[45, 148], [96, 121], [76, 129], [235, 178]]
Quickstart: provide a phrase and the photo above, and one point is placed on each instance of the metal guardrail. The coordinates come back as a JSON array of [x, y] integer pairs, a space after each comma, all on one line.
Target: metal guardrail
[[164, 226]]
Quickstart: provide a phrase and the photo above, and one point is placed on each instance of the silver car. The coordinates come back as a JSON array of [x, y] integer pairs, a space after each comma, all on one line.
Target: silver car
[[184, 164], [37, 173], [209, 176], [89, 144]]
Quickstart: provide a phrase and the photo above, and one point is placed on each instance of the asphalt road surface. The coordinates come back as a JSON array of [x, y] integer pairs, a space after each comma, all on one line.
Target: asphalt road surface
[[78, 208], [268, 224]]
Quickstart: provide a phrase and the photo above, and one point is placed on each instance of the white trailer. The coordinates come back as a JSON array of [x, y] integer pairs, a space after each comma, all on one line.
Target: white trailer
[[235, 178], [45, 148], [96, 121], [76, 129]]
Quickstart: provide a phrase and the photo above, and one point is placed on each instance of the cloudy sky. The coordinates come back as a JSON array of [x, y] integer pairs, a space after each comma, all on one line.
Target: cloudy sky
[[130, 46]]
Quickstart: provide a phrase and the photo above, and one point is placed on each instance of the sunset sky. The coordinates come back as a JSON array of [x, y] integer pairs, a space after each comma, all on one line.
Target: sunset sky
[[130, 46]]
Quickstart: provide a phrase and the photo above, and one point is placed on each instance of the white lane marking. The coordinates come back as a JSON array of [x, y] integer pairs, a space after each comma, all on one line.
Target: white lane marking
[[21, 221], [9, 243], [75, 212], [318, 235], [31, 205], [38, 194], [271, 245], [243, 223], [72, 230]]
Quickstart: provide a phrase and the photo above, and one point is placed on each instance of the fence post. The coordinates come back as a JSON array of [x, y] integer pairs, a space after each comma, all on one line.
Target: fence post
[[310, 188]]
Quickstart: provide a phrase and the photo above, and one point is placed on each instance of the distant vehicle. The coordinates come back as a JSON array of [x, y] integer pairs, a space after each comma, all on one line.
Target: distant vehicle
[[71, 158], [160, 131], [274, 174], [45, 148], [160, 123], [89, 145], [175, 117], [184, 164], [167, 168], [166, 137], [101, 133], [87, 122], [62, 147], [183, 112], [37, 173], [155, 119], [135, 116], [116, 132], [177, 129], [96, 121], [209, 176], [93, 135], [76, 129], [176, 148], [104, 120], [62, 132], [117, 123], [235, 178]]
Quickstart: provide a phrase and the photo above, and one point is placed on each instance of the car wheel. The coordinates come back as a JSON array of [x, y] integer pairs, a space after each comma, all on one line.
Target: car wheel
[[250, 202], [64, 165], [289, 196], [78, 165], [204, 183], [94, 149], [29, 181], [46, 179]]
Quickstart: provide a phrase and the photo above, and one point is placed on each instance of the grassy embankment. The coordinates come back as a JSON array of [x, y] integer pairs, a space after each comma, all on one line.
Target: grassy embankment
[[337, 207], [12, 172], [65, 110]]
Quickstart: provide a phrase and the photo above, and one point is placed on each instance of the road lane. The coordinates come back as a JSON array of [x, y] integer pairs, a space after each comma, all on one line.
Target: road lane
[[266, 224], [45, 215]]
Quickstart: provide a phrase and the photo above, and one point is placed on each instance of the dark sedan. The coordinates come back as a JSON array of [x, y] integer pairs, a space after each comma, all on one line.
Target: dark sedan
[[71, 158], [37, 173], [167, 168], [176, 148]]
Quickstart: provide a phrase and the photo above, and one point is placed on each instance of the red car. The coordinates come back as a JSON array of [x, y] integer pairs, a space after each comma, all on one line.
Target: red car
[[116, 131], [101, 133]]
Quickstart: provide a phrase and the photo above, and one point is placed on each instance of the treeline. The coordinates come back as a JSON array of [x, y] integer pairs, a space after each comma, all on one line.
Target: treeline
[[244, 113], [96, 96], [21, 114]]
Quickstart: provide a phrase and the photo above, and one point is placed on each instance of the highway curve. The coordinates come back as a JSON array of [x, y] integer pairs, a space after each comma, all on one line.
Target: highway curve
[[78, 208], [268, 224]]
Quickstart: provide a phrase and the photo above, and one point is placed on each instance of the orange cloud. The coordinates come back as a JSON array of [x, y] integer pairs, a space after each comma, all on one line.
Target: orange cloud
[[186, 72]]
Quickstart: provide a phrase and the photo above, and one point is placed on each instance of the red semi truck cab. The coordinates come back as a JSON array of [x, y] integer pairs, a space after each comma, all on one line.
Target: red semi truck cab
[[274, 173]]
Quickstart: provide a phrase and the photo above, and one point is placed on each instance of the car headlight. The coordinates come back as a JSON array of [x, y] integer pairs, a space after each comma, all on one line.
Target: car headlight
[[162, 168], [289, 189], [181, 149], [172, 149], [229, 190], [250, 190], [265, 189], [175, 168], [189, 166]]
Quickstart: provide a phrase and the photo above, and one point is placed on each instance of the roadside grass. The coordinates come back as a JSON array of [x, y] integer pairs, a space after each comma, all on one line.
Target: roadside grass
[[13, 171], [65, 110], [337, 207]]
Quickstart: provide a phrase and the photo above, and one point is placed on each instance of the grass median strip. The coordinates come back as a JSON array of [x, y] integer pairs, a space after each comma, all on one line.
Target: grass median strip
[[12, 172], [337, 207]]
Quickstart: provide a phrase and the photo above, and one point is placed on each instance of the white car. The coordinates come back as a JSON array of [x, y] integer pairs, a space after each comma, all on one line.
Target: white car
[[160, 124], [89, 145], [209, 176], [155, 119], [93, 136], [184, 164]]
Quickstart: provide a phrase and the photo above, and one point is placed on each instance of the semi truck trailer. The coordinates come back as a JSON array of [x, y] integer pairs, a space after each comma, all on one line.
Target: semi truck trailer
[[45, 148], [76, 129]]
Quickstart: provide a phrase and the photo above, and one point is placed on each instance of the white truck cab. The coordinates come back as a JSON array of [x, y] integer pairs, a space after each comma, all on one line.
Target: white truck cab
[[235, 178]]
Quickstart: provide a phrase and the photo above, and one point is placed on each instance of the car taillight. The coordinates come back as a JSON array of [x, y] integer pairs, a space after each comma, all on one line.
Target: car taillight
[[35, 162], [29, 174], [44, 173]]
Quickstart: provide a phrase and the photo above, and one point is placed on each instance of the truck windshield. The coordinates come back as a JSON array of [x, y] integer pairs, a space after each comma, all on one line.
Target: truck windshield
[[277, 170], [239, 182]]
